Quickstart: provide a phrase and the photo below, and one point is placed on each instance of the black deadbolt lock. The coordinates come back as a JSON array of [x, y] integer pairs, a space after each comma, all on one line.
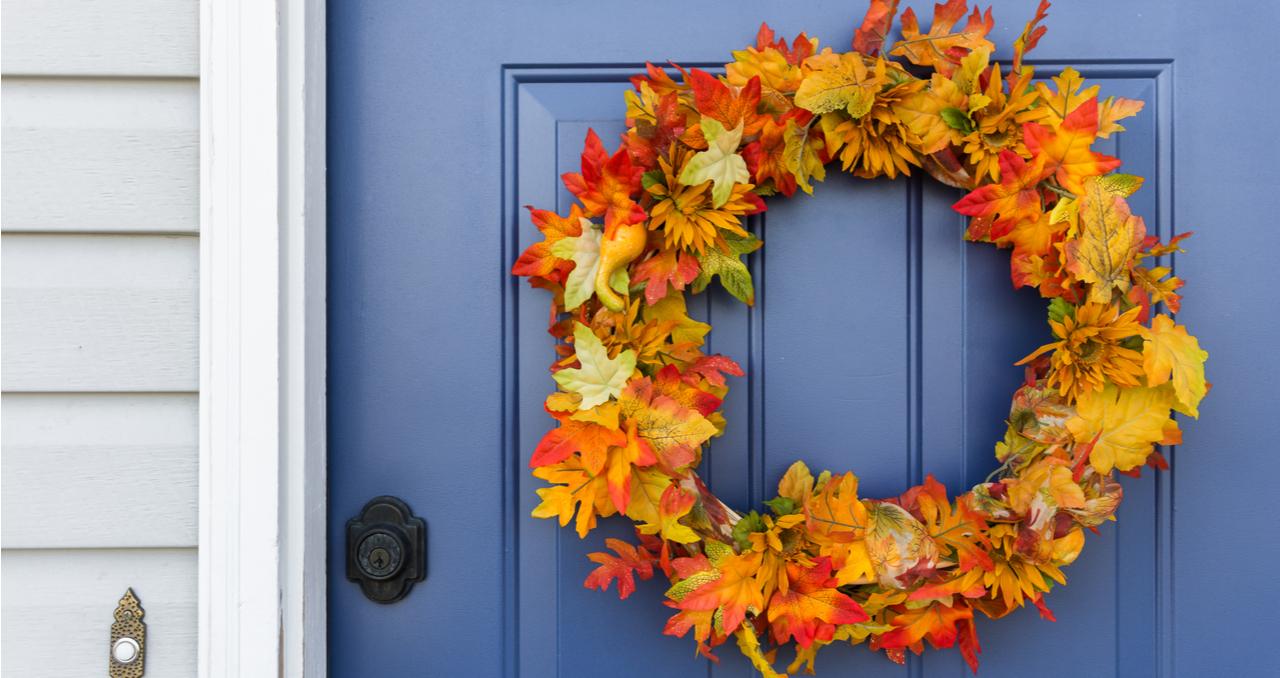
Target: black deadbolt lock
[[386, 549]]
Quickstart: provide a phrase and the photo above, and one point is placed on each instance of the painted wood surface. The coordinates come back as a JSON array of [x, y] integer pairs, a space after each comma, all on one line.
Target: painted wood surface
[[99, 470], [58, 605], [100, 155], [145, 38], [431, 342], [100, 313]]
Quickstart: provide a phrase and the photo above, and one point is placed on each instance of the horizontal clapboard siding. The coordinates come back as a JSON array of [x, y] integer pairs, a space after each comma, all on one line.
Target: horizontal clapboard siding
[[99, 470], [100, 313], [58, 605], [101, 156], [146, 38]]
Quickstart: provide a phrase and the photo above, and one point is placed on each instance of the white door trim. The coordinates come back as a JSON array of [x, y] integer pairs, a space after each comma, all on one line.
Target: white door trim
[[262, 603]]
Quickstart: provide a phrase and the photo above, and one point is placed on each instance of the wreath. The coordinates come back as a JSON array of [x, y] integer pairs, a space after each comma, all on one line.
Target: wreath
[[638, 399]]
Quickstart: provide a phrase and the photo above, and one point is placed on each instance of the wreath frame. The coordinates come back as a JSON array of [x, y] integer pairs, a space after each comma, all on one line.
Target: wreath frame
[[638, 400]]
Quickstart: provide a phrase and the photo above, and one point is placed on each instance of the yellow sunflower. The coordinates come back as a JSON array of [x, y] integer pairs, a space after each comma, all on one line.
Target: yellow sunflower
[[1013, 580], [880, 140], [1089, 353], [687, 215], [998, 123]]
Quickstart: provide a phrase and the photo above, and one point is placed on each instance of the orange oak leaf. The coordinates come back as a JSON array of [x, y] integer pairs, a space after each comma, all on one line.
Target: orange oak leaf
[[1013, 199], [606, 185], [1067, 153], [958, 530], [875, 27], [1025, 43], [589, 439], [674, 266], [736, 591], [937, 622], [1113, 109], [658, 80], [629, 562], [538, 260], [716, 101], [1109, 238], [811, 607], [941, 48], [583, 491]]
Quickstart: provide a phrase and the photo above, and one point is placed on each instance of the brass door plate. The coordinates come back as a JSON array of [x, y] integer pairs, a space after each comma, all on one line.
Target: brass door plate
[[128, 639]]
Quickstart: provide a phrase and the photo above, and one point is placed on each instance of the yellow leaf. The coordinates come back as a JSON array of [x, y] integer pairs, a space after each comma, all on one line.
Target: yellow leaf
[[1113, 109], [840, 81], [1129, 420], [972, 66], [1067, 98], [1109, 238], [922, 114], [1172, 354], [796, 484], [672, 307], [802, 155]]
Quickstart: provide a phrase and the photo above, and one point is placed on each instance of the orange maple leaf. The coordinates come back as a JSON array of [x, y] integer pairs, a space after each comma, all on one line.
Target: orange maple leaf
[[1015, 198], [811, 607], [538, 260], [673, 266], [716, 101], [1067, 153], [769, 158], [588, 439], [735, 590], [672, 431], [606, 185], [937, 622]]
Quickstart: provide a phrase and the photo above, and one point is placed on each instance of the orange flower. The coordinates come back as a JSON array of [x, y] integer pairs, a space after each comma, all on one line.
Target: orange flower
[[687, 215], [879, 141], [1089, 354]]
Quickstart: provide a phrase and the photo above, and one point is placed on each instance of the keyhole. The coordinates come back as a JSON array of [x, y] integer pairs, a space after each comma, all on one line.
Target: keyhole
[[379, 558]]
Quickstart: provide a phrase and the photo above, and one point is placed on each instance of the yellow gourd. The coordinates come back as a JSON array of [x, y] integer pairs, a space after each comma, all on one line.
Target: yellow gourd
[[615, 253]]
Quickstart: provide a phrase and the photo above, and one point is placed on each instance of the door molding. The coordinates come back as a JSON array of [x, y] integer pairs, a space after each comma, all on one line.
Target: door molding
[[262, 586]]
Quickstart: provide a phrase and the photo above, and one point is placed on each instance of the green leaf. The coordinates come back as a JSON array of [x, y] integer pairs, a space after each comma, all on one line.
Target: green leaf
[[743, 528], [599, 377], [1060, 308], [653, 178], [782, 506], [957, 119], [719, 163], [584, 251], [734, 275]]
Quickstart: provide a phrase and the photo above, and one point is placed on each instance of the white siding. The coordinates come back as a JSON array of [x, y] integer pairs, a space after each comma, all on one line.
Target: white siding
[[100, 172]]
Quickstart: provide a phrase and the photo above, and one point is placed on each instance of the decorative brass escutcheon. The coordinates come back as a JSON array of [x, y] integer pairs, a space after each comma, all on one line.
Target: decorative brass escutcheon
[[128, 639]]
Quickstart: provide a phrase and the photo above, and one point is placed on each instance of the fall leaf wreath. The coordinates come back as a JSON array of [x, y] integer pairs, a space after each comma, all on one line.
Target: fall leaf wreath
[[638, 399]]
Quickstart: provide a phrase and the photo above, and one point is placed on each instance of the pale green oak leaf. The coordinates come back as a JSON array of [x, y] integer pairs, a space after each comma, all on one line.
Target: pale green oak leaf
[[584, 251]]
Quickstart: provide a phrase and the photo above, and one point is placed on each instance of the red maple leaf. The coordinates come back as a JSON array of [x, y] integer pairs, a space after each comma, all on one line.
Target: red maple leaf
[[937, 622], [665, 266], [632, 562], [710, 367], [716, 101], [800, 49], [1016, 197], [606, 185], [767, 158], [537, 260]]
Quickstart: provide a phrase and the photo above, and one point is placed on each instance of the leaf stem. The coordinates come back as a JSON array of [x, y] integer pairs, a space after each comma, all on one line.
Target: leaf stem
[[1060, 191]]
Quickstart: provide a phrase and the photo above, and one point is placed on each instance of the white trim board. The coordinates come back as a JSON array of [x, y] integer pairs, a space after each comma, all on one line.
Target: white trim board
[[261, 560]]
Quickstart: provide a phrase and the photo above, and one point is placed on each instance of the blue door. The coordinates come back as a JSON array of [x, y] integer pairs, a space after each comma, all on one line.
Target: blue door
[[445, 118]]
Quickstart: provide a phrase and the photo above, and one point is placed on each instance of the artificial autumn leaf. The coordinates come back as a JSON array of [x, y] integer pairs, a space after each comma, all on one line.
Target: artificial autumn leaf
[[1154, 290], [647, 487], [584, 251], [1016, 197], [1170, 354], [606, 188], [600, 376], [1124, 422], [1067, 152], [925, 113], [734, 275], [900, 548], [840, 82], [673, 432], [769, 156], [1025, 43], [629, 562], [673, 266], [674, 505], [875, 27], [672, 307], [1068, 97], [936, 622], [538, 259], [941, 48], [735, 590], [955, 529], [1113, 109], [716, 102], [1109, 238], [580, 489], [720, 163], [1040, 413], [709, 367], [968, 77], [802, 155], [668, 382], [811, 606], [619, 464], [590, 440]]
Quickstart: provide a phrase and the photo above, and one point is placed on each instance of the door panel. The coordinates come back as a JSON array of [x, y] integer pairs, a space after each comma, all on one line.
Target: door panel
[[880, 342]]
